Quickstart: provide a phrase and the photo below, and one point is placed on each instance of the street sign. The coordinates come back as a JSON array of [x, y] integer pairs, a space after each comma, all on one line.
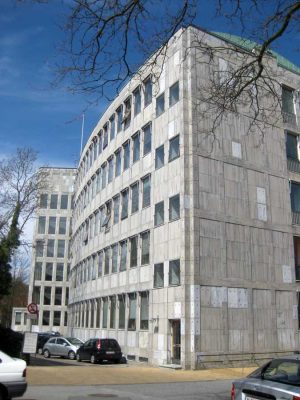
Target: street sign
[[30, 342], [32, 308]]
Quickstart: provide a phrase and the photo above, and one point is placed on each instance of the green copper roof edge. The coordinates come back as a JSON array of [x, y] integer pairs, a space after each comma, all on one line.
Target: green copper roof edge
[[250, 44]]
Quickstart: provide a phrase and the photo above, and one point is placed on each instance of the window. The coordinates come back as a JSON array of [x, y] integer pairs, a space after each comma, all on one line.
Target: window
[[36, 294], [295, 197], [50, 248], [42, 225], [95, 145], [98, 178], [59, 272], [174, 148], [159, 214], [120, 118], [133, 251], [114, 266], [61, 248], [127, 113], [56, 318], [53, 201], [137, 101], [132, 312], [147, 139], [145, 248], [146, 182], [144, 316], [121, 312], [136, 147], [67, 296], [123, 260], [100, 262], [160, 104], [106, 260], [104, 313], [52, 225], [58, 294], [105, 136], [118, 162], [106, 215], [103, 169], [110, 169], [18, 316], [159, 157], [39, 248], [49, 272], [292, 146], [112, 128], [38, 271], [116, 201], [288, 100], [46, 318], [158, 275], [174, 208], [148, 91], [174, 94], [124, 213], [43, 200], [47, 295], [64, 202], [113, 312], [174, 273], [100, 134], [134, 197], [126, 155], [62, 225]]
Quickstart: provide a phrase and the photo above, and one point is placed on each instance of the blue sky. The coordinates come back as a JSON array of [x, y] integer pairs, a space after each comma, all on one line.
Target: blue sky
[[49, 119]]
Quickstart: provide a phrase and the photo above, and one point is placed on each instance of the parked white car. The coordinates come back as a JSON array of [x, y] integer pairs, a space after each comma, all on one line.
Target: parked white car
[[12, 377]]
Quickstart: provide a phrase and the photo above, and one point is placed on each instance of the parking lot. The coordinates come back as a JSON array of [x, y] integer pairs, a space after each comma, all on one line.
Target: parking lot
[[57, 371]]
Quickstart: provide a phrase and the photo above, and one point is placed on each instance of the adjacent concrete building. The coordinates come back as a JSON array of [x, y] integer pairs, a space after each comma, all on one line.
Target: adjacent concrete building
[[49, 279]]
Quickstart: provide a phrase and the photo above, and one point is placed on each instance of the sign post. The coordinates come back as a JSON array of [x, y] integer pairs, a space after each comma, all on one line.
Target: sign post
[[30, 338]]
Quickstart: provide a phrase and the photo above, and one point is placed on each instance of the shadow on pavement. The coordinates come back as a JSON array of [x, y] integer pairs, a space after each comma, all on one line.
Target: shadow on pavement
[[36, 360]]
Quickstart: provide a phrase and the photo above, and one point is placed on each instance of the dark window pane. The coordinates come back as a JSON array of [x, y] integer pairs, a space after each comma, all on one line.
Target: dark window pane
[[147, 139], [174, 207], [160, 104], [174, 148], [159, 157], [159, 214], [174, 272], [64, 201], [43, 200], [174, 94], [136, 147], [53, 201], [158, 275]]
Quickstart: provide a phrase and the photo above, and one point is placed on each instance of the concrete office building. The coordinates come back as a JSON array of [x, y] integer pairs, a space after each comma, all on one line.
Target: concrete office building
[[49, 279], [186, 252]]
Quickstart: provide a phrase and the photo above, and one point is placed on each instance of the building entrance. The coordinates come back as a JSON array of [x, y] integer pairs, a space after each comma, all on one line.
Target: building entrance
[[175, 341]]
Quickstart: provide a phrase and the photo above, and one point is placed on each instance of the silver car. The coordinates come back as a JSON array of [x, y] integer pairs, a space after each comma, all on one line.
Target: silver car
[[278, 379], [61, 346]]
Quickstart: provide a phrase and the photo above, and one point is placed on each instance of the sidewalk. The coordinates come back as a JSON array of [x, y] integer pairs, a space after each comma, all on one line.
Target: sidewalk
[[87, 374]]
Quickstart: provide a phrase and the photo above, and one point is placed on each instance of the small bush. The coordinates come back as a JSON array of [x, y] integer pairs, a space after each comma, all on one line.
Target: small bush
[[11, 342]]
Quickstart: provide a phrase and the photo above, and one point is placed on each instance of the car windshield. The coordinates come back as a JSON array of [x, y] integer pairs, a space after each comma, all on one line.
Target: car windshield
[[283, 371], [74, 341]]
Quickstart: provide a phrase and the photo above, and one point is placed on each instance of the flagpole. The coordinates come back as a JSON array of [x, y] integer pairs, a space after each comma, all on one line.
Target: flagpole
[[82, 129]]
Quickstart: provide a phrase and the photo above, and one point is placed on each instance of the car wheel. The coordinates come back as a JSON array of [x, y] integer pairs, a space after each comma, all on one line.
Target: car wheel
[[117, 361], [2, 394], [46, 353], [93, 359], [71, 355], [78, 357]]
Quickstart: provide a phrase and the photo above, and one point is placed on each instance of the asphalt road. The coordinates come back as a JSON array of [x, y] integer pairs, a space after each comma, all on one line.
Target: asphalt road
[[213, 390]]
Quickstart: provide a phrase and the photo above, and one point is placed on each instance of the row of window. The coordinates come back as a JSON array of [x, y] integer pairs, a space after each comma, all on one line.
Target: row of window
[[110, 212], [48, 271], [126, 311], [54, 318], [122, 119], [54, 201], [50, 296], [117, 257], [52, 225], [50, 248], [113, 167]]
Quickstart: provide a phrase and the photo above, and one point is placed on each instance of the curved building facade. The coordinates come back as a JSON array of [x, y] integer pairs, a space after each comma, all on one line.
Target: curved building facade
[[171, 237]]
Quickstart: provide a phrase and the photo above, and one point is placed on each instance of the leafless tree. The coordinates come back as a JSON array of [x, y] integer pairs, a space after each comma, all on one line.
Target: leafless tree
[[20, 183]]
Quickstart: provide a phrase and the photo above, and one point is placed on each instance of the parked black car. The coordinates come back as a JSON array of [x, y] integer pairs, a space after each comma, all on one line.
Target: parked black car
[[98, 350], [43, 338]]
